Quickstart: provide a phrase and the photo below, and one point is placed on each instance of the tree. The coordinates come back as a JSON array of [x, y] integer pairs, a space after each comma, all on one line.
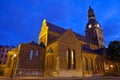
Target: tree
[[114, 51]]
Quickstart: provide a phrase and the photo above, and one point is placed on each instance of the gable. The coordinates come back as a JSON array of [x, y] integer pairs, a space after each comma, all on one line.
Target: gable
[[69, 37], [44, 28], [43, 33]]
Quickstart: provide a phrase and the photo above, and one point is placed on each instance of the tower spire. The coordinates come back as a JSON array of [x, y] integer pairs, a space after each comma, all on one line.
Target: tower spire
[[93, 31], [91, 14]]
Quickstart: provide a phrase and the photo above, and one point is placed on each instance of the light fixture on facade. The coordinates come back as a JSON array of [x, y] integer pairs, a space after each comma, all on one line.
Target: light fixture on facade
[[111, 66]]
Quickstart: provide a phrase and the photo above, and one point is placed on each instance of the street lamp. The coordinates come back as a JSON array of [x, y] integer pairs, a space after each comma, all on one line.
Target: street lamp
[[12, 71]]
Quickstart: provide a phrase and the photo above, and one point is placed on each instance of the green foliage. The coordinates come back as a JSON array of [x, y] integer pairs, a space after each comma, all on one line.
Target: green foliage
[[114, 51]]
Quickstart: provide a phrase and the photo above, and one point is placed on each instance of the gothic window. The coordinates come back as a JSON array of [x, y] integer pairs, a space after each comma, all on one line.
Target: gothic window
[[50, 50], [73, 59], [100, 65], [91, 64], [97, 65], [68, 58], [36, 53], [85, 63], [71, 63], [31, 54]]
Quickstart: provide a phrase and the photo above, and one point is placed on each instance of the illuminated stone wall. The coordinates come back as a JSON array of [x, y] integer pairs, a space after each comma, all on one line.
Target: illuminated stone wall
[[31, 60], [11, 63]]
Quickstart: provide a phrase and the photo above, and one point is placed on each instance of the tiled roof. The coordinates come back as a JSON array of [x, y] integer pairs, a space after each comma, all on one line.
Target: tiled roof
[[55, 28], [98, 51], [61, 30], [33, 43], [87, 50]]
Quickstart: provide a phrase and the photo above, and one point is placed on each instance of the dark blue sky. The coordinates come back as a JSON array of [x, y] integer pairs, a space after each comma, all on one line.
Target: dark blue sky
[[21, 20]]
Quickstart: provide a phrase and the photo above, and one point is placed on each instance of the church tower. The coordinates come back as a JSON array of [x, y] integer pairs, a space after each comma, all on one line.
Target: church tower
[[94, 31]]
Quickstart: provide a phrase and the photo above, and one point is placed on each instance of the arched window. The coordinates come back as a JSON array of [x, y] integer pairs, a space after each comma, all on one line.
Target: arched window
[[73, 62], [31, 54], [101, 66], [68, 58], [85, 63], [91, 64], [36, 53], [97, 65]]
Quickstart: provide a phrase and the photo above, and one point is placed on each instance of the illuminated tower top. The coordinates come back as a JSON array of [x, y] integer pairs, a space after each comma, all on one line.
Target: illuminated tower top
[[92, 20]]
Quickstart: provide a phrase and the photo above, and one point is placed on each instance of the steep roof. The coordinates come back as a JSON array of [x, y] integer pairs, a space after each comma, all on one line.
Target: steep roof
[[55, 28], [61, 30], [87, 50], [99, 51], [32, 43]]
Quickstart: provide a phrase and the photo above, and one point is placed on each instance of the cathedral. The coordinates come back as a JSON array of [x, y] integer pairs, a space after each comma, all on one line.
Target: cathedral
[[71, 54], [61, 52]]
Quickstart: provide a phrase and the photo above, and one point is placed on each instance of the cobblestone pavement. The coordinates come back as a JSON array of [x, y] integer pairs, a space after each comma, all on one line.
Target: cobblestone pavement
[[61, 78]]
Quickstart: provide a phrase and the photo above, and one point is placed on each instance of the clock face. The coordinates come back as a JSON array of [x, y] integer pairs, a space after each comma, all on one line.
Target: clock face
[[98, 25], [89, 25]]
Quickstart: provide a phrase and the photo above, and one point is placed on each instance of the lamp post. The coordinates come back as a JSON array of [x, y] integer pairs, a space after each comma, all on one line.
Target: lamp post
[[12, 71]]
